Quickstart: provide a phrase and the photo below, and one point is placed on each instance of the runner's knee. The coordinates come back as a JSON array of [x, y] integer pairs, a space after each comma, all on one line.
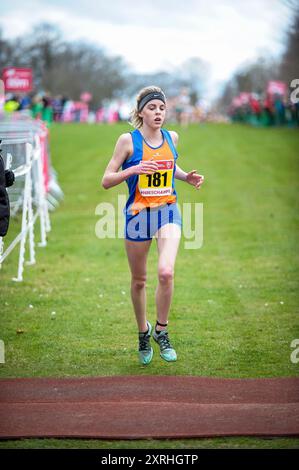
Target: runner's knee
[[165, 274], [138, 282]]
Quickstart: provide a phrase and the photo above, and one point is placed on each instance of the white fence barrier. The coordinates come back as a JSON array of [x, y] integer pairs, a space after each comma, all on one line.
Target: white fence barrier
[[35, 191]]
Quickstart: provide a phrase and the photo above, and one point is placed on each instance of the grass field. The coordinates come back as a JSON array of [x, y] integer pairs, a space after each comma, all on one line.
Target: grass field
[[235, 307]]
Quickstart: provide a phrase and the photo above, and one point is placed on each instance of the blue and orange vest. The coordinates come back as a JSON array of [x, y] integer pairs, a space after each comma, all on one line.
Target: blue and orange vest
[[156, 189]]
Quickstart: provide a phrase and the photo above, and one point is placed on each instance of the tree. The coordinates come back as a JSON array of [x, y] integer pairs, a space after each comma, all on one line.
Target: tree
[[9, 54], [60, 67], [194, 73], [252, 78], [289, 68]]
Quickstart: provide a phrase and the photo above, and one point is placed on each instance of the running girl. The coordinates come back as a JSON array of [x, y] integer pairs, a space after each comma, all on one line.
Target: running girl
[[148, 157]]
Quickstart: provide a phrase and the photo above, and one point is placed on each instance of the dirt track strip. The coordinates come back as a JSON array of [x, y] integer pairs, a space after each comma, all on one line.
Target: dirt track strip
[[134, 407]]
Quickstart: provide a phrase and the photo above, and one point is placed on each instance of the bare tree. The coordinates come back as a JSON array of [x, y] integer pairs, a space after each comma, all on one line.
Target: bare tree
[[252, 78], [64, 68], [9, 52], [289, 68]]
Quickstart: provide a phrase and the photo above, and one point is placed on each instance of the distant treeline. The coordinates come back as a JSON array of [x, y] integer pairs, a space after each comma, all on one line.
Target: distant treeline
[[68, 68], [254, 77]]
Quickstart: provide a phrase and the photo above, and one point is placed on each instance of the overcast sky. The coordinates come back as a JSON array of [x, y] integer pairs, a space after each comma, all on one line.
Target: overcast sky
[[155, 35]]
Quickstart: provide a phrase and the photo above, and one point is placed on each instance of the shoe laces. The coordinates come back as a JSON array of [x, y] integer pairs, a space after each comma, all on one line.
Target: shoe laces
[[164, 340], [144, 342]]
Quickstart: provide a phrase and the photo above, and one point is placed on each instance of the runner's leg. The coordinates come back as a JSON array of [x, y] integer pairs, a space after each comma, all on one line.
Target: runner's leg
[[168, 240], [137, 255]]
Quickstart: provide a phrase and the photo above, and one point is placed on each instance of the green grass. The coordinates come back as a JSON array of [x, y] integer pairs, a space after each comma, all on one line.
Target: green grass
[[228, 293], [215, 443]]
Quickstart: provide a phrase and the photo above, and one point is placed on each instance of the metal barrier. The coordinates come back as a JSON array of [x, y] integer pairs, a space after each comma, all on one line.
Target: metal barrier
[[35, 191]]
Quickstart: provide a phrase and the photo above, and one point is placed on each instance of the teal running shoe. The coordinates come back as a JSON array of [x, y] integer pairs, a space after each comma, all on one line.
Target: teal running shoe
[[145, 350], [166, 350]]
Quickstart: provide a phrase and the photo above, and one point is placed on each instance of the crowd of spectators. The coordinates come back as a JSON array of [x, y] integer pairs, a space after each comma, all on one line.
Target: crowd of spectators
[[62, 109], [39, 106], [270, 109], [267, 110]]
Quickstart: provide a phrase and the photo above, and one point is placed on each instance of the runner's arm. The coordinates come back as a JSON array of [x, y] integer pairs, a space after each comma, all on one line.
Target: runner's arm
[[123, 149], [112, 176], [179, 173]]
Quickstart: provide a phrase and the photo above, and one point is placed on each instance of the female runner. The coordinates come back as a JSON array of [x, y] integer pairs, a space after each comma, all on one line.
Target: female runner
[[148, 157]]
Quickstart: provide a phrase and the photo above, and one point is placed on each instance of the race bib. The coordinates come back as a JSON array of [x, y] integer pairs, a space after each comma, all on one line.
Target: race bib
[[158, 183]]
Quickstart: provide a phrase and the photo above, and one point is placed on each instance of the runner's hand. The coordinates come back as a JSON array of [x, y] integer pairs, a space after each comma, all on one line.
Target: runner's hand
[[195, 179], [146, 167]]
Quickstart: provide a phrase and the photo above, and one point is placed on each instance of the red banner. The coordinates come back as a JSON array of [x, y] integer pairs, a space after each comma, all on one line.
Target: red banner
[[44, 142], [2, 95], [17, 79], [275, 87]]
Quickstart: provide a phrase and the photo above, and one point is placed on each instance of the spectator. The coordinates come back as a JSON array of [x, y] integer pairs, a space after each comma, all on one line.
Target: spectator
[[12, 104], [37, 107], [47, 110]]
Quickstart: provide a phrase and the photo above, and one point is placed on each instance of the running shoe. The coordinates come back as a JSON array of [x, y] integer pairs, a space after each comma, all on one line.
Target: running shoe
[[145, 349], [166, 350]]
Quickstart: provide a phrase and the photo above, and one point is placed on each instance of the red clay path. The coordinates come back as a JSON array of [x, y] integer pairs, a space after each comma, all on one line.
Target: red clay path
[[137, 407]]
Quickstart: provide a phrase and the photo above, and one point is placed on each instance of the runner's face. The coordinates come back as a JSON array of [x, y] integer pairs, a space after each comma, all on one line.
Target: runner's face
[[153, 113]]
